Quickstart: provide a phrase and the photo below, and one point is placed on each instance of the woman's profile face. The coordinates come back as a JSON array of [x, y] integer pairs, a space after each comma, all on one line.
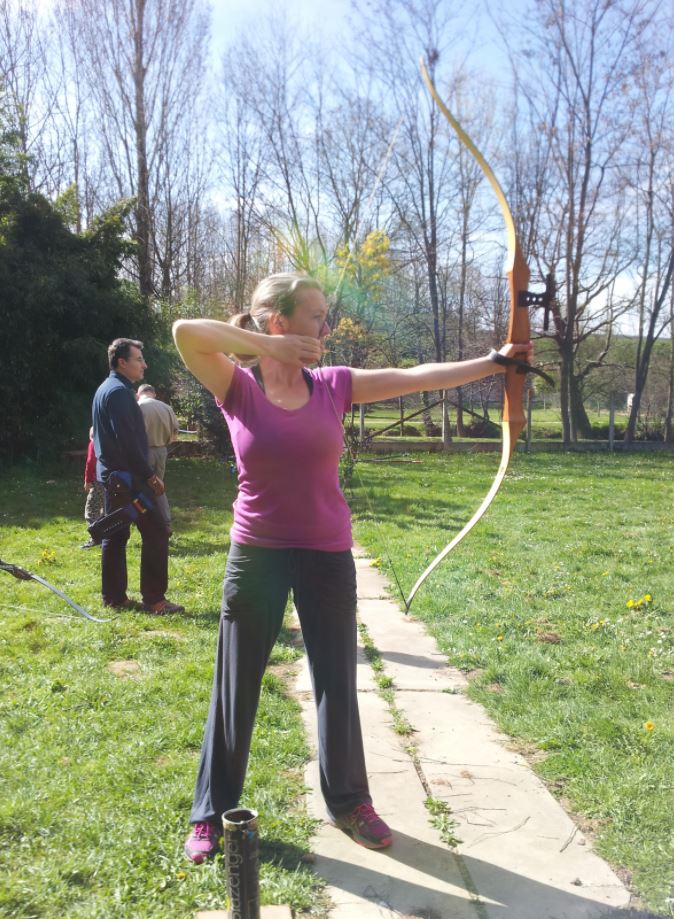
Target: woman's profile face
[[309, 316]]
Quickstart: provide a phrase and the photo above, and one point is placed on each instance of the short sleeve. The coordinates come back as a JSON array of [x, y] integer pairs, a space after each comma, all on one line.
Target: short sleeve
[[338, 380], [234, 391]]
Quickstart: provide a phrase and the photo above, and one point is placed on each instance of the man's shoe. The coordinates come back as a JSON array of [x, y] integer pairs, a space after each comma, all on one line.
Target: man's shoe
[[163, 607], [125, 604], [203, 842], [365, 827], [89, 544]]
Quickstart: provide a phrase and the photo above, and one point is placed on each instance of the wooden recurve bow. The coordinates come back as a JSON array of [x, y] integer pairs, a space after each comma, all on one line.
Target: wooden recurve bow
[[517, 272]]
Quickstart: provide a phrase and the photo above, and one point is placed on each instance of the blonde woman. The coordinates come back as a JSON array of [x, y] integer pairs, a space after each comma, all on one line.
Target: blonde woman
[[291, 533]]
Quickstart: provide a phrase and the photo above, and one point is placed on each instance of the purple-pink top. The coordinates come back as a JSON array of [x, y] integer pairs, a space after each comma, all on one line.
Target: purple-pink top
[[288, 464]]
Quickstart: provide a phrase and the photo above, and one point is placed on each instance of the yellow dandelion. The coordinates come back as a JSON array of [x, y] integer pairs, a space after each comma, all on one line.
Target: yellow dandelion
[[648, 726], [647, 598], [630, 604], [499, 638]]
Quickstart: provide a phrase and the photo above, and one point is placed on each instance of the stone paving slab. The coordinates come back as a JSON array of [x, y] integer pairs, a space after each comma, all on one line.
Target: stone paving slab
[[521, 857], [418, 876]]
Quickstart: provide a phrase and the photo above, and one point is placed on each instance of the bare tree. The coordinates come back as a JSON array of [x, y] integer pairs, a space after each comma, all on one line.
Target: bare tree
[[582, 60], [435, 186], [241, 167], [395, 35], [144, 62], [669, 413], [269, 75], [23, 68], [302, 155], [655, 146]]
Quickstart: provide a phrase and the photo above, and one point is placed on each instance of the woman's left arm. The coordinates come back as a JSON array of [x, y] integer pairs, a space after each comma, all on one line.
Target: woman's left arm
[[377, 385]]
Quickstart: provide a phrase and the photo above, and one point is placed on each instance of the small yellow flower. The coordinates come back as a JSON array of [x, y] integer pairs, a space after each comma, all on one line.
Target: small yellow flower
[[647, 598], [499, 638], [630, 604], [594, 626], [648, 726]]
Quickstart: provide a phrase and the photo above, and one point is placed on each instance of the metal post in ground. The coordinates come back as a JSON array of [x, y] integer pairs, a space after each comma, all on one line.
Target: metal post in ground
[[530, 406], [241, 859]]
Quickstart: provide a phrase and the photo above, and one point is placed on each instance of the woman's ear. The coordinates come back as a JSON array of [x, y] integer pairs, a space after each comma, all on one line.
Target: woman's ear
[[277, 323]]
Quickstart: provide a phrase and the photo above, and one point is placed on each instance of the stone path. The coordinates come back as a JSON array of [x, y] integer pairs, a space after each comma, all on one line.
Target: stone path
[[520, 856]]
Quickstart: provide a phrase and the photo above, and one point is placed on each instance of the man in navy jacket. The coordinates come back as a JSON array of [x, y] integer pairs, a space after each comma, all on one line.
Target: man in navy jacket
[[121, 448]]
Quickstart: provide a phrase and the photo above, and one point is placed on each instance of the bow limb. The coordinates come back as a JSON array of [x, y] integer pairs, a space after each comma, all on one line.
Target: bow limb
[[23, 575], [491, 494], [517, 273]]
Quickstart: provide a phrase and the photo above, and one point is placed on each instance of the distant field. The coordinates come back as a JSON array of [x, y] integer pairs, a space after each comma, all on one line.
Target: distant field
[[545, 422]]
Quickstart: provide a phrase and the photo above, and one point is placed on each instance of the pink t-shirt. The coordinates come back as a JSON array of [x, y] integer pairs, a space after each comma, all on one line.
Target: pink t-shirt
[[288, 464]]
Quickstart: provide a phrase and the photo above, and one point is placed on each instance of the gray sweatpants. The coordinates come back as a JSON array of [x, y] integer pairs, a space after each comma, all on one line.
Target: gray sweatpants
[[93, 507], [157, 459], [256, 588]]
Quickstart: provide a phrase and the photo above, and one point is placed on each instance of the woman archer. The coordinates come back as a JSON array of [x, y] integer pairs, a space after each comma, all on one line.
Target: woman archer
[[291, 533]]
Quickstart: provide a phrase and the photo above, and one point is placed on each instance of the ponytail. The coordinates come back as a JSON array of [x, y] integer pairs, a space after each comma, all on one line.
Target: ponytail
[[247, 322]]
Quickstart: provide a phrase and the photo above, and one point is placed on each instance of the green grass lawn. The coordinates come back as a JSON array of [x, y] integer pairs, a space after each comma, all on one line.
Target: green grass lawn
[[560, 606], [101, 724]]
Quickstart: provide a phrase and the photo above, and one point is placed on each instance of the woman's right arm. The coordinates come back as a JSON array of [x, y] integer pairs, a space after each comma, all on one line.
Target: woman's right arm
[[205, 343]]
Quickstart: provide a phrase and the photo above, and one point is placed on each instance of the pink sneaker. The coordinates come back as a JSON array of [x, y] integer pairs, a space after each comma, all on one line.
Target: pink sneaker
[[203, 842], [365, 827]]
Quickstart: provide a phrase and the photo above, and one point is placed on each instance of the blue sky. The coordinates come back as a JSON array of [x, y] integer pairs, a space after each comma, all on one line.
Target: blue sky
[[230, 15], [331, 19]]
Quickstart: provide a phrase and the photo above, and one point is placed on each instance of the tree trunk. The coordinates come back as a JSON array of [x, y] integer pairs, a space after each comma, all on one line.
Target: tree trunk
[[670, 387], [426, 415], [564, 400], [580, 423], [446, 427], [143, 189], [645, 351]]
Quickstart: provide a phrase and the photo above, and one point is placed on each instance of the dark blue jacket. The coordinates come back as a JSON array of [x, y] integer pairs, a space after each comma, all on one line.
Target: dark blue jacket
[[120, 440]]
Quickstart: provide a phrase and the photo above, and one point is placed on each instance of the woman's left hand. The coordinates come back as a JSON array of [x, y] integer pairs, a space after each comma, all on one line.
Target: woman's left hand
[[516, 351]]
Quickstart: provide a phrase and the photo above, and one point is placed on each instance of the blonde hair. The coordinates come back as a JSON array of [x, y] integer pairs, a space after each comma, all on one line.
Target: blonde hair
[[278, 293]]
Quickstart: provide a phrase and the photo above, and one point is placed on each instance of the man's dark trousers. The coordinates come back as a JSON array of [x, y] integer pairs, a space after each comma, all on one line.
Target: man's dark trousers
[[153, 559]]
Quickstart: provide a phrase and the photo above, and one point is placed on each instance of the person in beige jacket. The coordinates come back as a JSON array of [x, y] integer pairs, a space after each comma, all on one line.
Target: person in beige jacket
[[161, 425]]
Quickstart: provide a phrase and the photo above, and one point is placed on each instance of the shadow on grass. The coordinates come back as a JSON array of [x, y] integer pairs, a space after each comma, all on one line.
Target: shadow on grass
[[284, 854], [204, 617], [178, 549]]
